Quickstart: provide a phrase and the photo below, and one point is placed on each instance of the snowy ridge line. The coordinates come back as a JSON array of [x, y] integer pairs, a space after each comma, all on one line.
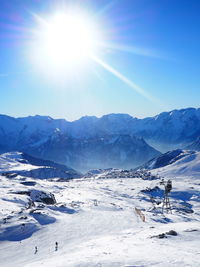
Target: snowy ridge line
[[114, 140], [18, 163]]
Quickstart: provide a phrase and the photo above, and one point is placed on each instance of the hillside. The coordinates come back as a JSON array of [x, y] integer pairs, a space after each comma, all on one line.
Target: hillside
[[177, 163], [18, 163], [111, 220], [115, 151], [194, 145]]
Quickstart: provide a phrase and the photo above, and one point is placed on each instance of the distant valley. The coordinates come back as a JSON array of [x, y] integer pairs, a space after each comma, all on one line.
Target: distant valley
[[114, 140]]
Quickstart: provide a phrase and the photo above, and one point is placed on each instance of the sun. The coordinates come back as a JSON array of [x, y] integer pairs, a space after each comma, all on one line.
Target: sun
[[65, 39], [68, 46], [68, 38]]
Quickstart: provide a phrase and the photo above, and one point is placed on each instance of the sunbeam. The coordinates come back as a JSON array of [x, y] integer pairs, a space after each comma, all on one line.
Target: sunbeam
[[106, 8], [130, 83], [140, 51], [67, 42]]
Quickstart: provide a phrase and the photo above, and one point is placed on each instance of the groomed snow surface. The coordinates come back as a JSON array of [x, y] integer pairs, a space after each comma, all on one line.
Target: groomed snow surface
[[95, 223]]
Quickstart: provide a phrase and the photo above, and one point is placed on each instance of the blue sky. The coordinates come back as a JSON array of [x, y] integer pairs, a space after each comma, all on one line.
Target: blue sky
[[153, 43]]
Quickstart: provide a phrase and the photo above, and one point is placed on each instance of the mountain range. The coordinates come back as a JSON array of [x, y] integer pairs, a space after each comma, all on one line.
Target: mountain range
[[114, 140]]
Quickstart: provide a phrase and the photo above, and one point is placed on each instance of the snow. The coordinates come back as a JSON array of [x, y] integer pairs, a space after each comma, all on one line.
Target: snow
[[95, 223], [10, 161], [187, 166], [25, 165]]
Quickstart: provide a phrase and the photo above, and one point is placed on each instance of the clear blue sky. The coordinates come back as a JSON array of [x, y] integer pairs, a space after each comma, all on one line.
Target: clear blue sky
[[155, 44]]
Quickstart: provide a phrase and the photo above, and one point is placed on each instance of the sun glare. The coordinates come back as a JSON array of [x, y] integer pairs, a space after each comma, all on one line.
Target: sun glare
[[65, 40], [68, 38], [67, 44]]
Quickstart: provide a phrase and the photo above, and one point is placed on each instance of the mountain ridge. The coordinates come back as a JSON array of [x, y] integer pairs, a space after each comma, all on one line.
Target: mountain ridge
[[19, 163], [176, 163], [43, 136]]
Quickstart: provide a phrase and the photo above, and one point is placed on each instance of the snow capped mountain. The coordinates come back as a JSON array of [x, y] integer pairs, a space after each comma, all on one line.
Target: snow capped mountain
[[117, 123], [166, 131], [122, 151], [176, 163], [78, 144], [17, 134], [88, 143], [17, 163], [170, 130]]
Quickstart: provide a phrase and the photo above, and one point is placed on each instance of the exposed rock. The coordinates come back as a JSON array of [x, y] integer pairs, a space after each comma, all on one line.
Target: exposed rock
[[9, 174], [164, 235], [41, 196], [191, 230], [172, 232], [29, 183]]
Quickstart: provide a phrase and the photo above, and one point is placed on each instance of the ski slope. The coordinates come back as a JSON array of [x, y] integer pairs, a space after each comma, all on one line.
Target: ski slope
[[95, 224]]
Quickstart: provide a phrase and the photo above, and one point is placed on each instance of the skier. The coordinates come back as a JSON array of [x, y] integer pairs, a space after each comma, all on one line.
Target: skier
[[56, 246], [36, 249], [95, 202]]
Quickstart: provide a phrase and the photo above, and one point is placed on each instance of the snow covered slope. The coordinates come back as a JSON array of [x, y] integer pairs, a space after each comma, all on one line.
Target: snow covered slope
[[104, 221], [180, 163], [195, 145], [13, 163], [170, 130]]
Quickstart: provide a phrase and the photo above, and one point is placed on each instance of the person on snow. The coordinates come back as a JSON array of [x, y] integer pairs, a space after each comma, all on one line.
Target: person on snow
[[56, 246]]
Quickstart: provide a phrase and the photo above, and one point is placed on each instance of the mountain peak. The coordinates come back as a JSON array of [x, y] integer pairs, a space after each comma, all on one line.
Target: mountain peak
[[117, 116]]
